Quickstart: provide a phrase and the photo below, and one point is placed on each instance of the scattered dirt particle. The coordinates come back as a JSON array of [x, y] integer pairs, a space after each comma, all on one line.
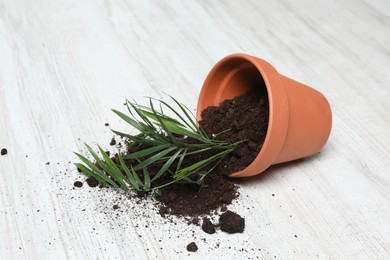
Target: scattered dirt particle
[[106, 124], [231, 222], [92, 182], [115, 207], [113, 141], [192, 247], [195, 221], [4, 151], [78, 184]]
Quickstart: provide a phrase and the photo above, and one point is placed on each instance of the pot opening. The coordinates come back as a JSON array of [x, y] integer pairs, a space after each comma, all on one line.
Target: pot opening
[[230, 79], [236, 77]]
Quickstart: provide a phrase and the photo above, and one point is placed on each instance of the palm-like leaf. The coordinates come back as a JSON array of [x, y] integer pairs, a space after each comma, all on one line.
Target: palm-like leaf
[[166, 143]]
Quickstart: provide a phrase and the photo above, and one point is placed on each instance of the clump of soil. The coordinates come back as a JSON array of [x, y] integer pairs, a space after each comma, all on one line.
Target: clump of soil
[[231, 222], [78, 184], [207, 226], [192, 247], [113, 141], [4, 151], [92, 182]]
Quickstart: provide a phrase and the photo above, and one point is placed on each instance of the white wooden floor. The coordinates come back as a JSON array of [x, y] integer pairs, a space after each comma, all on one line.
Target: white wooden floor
[[65, 63]]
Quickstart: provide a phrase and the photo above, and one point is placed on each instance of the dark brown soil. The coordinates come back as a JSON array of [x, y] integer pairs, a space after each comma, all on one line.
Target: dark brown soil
[[247, 118], [113, 141], [190, 200], [92, 182], [231, 222], [207, 226], [192, 247], [4, 151], [78, 184]]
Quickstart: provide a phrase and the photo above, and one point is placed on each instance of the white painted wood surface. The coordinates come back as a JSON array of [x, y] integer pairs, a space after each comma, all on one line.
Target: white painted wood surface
[[65, 63]]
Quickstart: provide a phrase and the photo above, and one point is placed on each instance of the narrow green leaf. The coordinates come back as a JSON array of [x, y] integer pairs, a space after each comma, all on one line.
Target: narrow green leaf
[[144, 128], [130, 177], [96, 170], [172, 128], [171, 182], [142, 116], [149, 128], [201, 179], [138, 139], [153, 158], [146, 179], [198, 165], [161, 122], [191, 125], [181, 160], [152, 115], [146, 151], [201, 150], [158, 192], [87, 171], [166, 166], [114, 169], [129, 120], [104, 165], [186, 112], [136, 178]]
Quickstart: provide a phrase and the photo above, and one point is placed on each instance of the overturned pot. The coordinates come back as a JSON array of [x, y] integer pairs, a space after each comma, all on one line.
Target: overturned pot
[[300, 118]]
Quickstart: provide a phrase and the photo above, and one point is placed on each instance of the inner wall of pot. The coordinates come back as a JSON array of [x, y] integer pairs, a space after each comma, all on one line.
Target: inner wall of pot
[[238, 80]]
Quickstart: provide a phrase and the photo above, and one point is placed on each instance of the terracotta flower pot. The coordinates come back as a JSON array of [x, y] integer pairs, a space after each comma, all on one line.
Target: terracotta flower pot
[[300, 118]]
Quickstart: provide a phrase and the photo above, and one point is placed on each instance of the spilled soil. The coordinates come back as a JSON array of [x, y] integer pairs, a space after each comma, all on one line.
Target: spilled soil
[[246, 118], [242, 118]]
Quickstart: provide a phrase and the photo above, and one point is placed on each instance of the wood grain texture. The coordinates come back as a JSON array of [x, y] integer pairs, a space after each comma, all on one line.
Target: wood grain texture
[[65, 63]]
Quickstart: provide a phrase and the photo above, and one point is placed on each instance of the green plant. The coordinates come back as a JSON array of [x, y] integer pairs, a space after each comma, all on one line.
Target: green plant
[[162, 141]]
